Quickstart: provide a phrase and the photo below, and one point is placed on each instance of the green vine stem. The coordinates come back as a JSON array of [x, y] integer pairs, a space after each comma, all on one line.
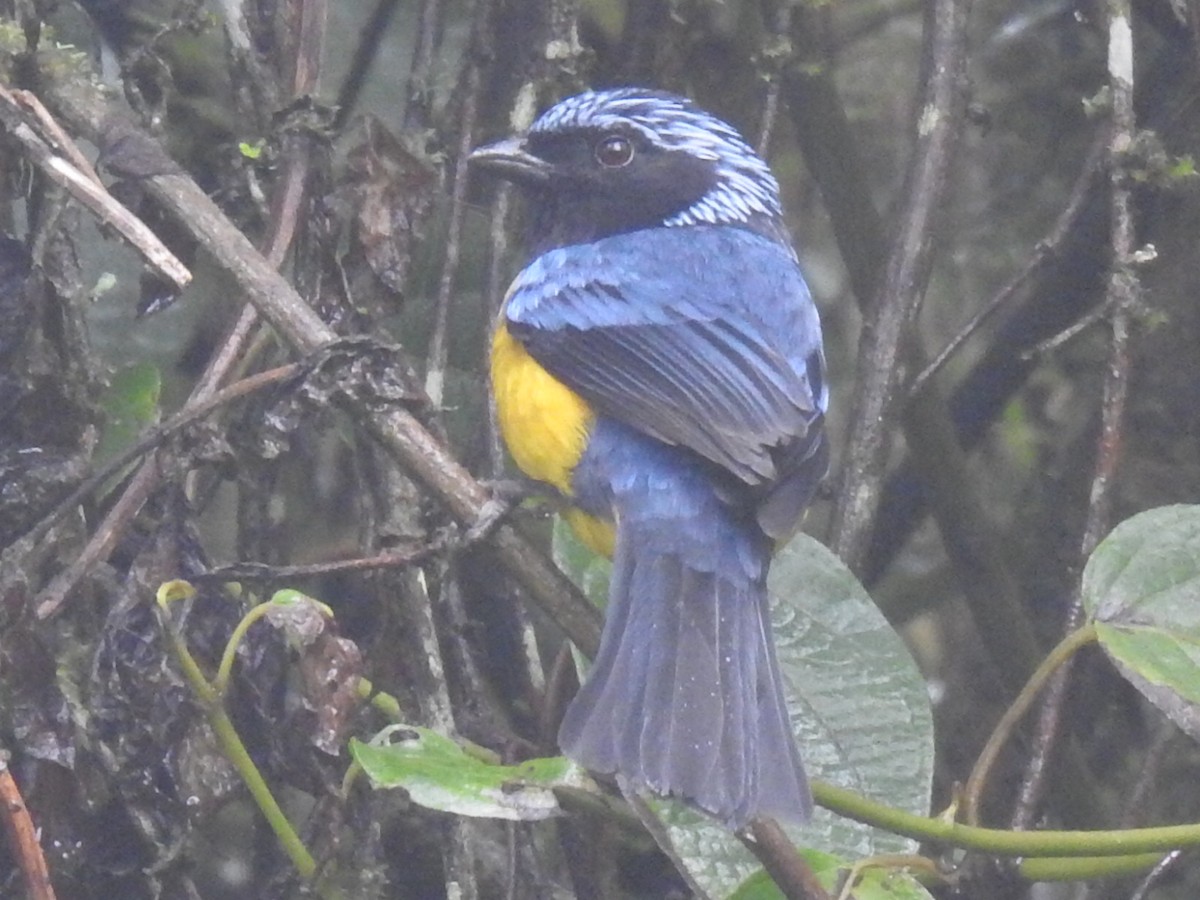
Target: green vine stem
[[230, 742], [1085, 868], [998, 842], [976, 783], [924, 869], [384, 703], [220, 682]]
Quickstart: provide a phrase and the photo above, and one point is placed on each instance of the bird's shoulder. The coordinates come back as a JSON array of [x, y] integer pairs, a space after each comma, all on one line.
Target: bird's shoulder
[[660, 276], [704, 337]]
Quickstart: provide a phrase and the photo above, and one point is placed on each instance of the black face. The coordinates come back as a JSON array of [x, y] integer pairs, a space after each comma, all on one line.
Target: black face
[[585, 184]]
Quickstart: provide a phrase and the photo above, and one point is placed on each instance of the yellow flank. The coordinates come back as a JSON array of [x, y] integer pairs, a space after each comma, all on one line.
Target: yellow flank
[[544, 422], [545, 425], [597, 534]]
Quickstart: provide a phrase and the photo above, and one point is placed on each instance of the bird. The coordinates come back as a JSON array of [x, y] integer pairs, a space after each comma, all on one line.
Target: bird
[[657, 361]]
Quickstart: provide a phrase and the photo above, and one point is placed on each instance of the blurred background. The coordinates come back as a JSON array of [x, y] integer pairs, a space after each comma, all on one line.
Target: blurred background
[[370, 107]]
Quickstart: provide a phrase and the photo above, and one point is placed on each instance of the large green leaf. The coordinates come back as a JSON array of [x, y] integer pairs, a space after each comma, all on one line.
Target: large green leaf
[[438, 774], [859, 709], [1141, 588], [1147, 571]]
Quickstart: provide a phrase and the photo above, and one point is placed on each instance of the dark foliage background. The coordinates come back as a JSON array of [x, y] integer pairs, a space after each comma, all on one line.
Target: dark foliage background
[[333, 135]]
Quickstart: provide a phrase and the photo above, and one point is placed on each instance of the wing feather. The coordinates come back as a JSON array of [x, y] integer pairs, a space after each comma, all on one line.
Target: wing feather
[[701, 337]]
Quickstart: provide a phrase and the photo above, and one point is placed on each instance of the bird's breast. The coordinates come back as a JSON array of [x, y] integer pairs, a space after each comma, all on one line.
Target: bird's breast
[[544, 423], [546, 426]]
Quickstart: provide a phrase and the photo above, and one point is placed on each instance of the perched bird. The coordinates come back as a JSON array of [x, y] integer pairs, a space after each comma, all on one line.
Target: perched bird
[[658, 361]]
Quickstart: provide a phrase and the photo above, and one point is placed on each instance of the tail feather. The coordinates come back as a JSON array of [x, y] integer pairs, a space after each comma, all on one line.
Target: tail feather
[[685, 696], [686, 699]]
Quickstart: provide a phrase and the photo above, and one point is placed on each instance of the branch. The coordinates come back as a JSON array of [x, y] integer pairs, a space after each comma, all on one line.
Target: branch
[[772, 847], [990, 590], [99, 119], [1120, 300], [886, 325], [1047, 251], [19, 111], [286, 204], [23, 838]]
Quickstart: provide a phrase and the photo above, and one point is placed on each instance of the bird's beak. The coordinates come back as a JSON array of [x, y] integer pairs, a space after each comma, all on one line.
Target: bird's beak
[[509, 159]]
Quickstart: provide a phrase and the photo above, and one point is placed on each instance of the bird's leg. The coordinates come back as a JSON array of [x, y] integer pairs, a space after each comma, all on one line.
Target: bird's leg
[[505, 495]]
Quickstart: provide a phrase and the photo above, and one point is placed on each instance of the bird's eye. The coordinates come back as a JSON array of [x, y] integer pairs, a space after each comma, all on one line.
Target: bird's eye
[[614, 151]]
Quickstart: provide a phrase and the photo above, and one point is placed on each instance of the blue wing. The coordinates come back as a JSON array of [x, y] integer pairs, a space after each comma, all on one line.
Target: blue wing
[[703, 337]]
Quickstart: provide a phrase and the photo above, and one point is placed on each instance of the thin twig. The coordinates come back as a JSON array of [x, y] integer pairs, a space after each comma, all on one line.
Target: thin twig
[[392, 559], [1133, 809], [370, 39], [435, 369], [107, 535], [886, 329], [1155, 875], [304, 41], [498, 249], [153, 438], [1047, 251], [772, 62], [286, 209], [420, 76], [250, 75], [791, 874], [23, 843], [102, 542], [53, 133], [770, 114], [658, 830], [83, 184], [1120, 299], [1076, 328]]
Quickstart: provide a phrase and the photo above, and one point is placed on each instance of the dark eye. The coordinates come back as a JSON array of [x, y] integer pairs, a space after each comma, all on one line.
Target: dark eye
[[614, 151]]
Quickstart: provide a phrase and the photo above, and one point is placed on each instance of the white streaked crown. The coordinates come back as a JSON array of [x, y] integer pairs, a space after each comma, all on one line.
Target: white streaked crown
[[744, 187]]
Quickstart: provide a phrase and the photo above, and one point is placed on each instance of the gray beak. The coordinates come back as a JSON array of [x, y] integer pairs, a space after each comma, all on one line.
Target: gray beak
[[509, 159]]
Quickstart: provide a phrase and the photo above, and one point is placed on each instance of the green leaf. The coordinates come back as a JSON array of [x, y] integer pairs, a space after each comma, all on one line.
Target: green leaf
[[588, 570], [1147, 571], [438, 774], [130, 405], [1140, 588], [1182, 167], [1163, 667], [874, 883]]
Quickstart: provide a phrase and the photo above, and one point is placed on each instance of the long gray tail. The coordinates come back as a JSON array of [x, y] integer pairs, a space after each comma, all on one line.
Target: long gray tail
[[685, 696]]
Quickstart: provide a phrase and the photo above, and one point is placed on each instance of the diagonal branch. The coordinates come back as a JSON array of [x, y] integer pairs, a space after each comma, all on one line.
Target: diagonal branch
[[98, 118]]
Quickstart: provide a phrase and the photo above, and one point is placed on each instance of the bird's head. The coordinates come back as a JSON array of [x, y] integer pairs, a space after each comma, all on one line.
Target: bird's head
[[608, 162]]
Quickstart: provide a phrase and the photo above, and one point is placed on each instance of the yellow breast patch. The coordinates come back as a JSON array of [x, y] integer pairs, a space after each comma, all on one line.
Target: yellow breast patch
[[544, 423]]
